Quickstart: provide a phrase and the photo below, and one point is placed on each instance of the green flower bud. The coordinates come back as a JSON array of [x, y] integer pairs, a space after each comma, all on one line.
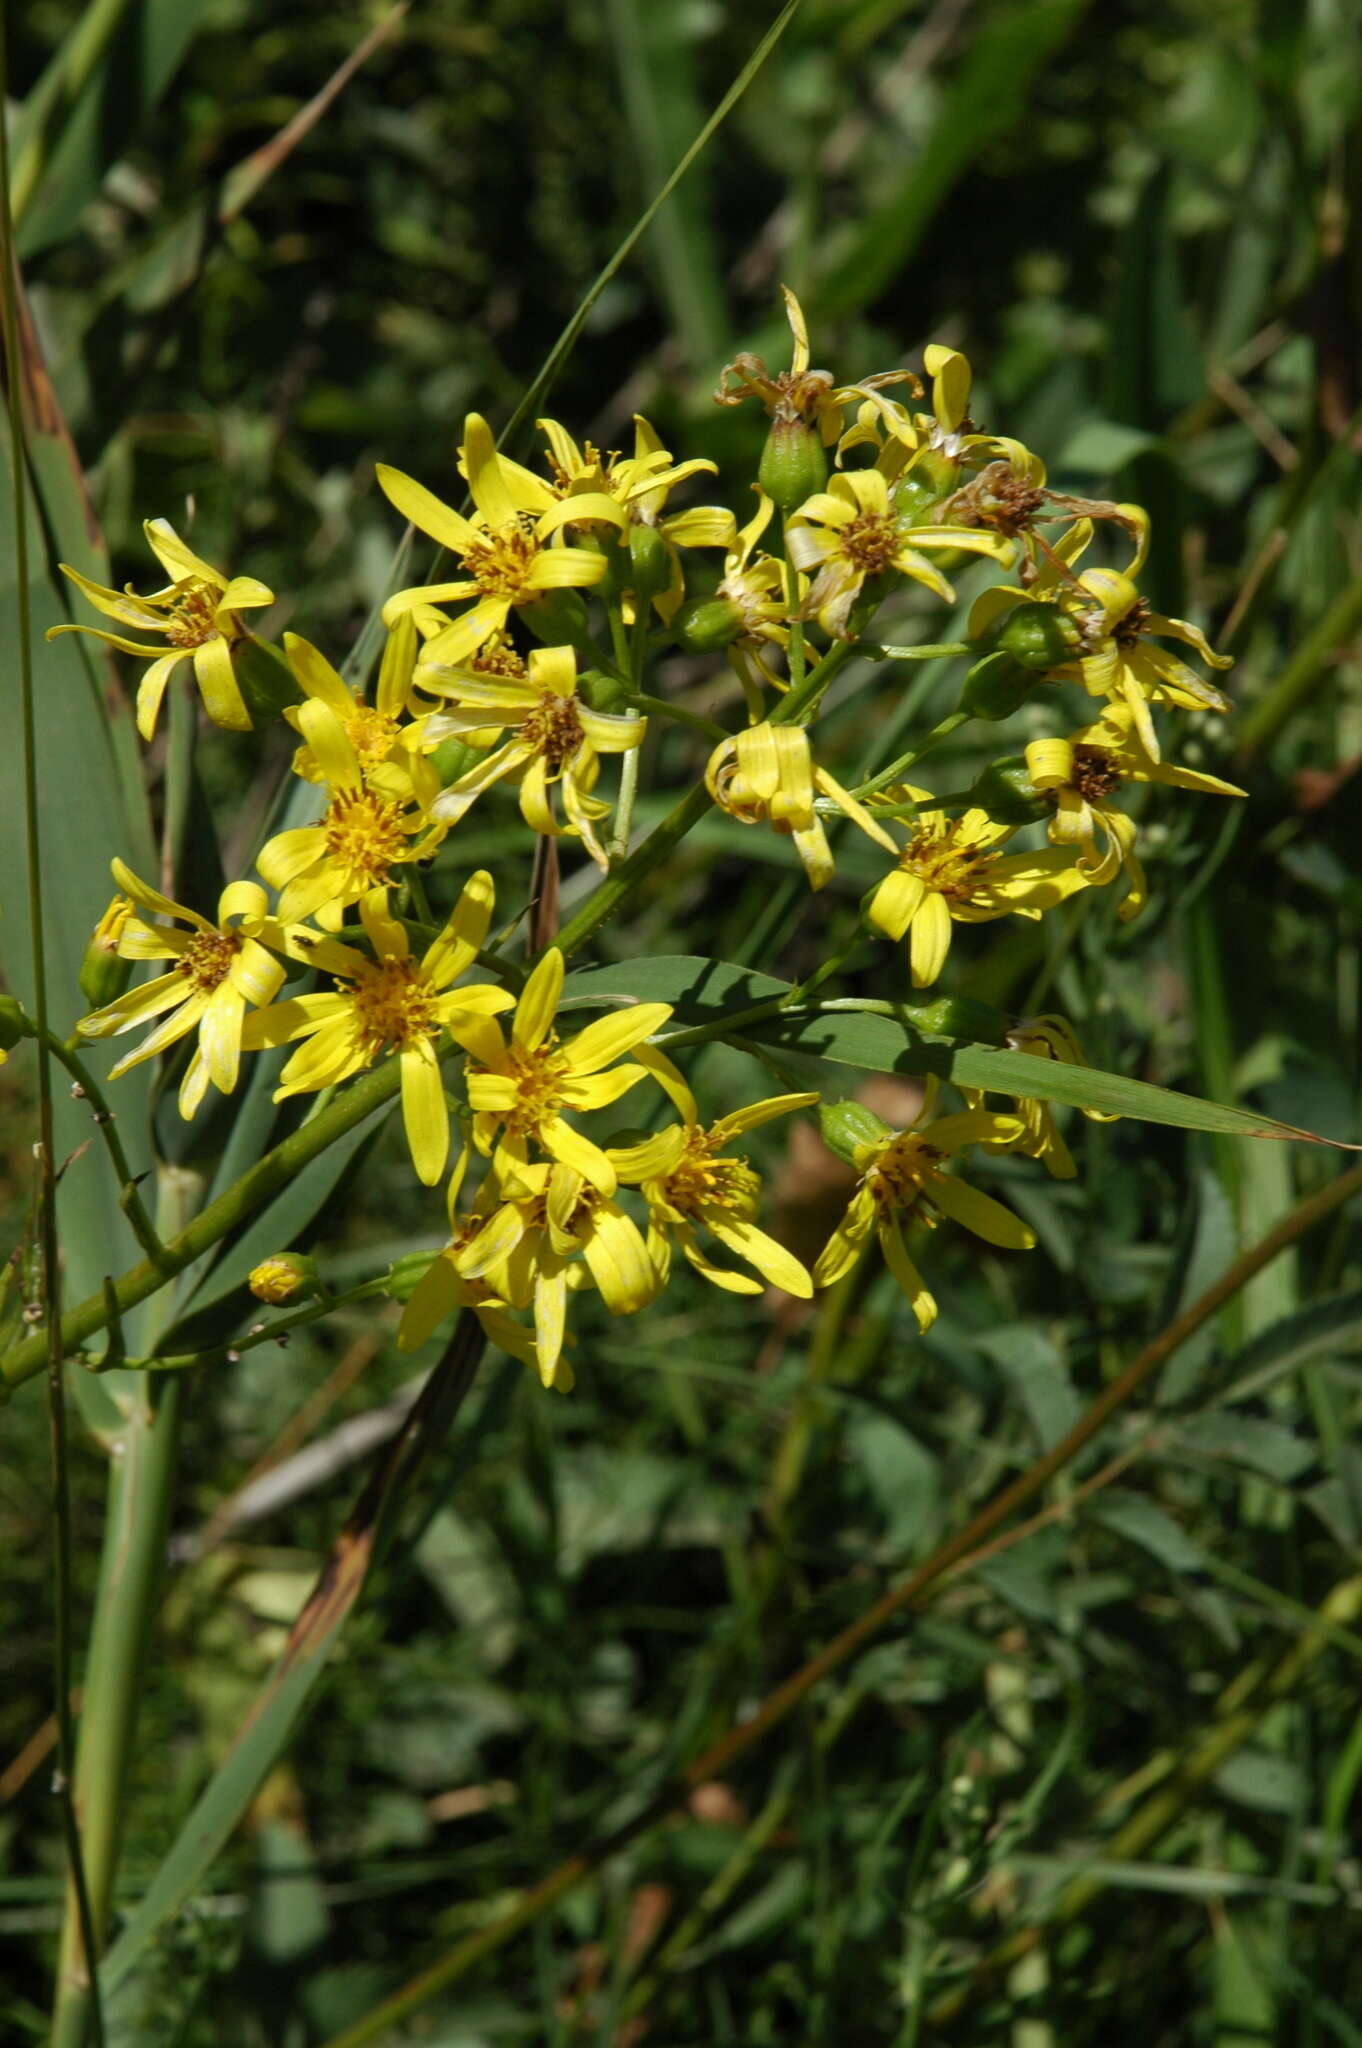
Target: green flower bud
[[932, 477], [103, 975], [1039, 636], [650, 563], [557, 619], [452, 758], [14, 1024], [705, 624], [602, 692], [1005, 790], [794, 464], [406, 1274], [846, 1125], [284, 1276], [267, 682], [997, 686]]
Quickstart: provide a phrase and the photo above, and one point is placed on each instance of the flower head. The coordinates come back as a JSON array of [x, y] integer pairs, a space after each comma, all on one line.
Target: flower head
[[444, 1289], [1045, 1038], [1081, 775], [905, 1175], [390, 1003], [219, 970], [556, 742], [852, 532], [523, 1086], [689, 1188], [196, 613], [507, 549], [554, 1232], [766, 775], [376, 732], [375, 820], [952, 872]]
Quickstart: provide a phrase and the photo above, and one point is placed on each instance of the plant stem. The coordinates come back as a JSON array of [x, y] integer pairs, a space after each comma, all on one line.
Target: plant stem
[[948, 725], [81, 1921], [141, 1481]]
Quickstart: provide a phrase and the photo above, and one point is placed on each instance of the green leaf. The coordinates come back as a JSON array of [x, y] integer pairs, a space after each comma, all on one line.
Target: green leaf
[[1034, 1367], [708, 992]]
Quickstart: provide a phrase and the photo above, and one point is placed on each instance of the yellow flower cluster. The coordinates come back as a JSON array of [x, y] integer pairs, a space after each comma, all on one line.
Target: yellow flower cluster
[[498, 675]]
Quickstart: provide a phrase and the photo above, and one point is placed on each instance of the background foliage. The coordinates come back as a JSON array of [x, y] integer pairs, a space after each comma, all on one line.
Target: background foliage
[[1138, 222]]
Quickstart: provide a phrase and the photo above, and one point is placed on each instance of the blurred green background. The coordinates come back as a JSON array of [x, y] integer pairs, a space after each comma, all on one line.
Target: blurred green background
[[1139, 222]]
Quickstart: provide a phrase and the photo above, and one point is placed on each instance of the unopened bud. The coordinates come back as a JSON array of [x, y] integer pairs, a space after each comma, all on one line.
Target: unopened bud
[[557, 619], [794, 463], [997, 686], [14, 1024], [1037, 636], [453, 758], [932, 477], [1005, 790], [601, 691], [283, 1277], [103, 975], [267, 683], [650, 569], [847, 1126], [706, 624]]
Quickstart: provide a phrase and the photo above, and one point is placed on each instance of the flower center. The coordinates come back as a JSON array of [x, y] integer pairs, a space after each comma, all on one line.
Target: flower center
[[191, 608], [870, 542], [1132, 627], [207, 960], [997, 498], [900, 1175], [1095, 773], [500, 562], [539, 1077], [699, 1178], [553, 728], [371, 733], [394, 1004], [364, 835], [498, 658], [951, 867]]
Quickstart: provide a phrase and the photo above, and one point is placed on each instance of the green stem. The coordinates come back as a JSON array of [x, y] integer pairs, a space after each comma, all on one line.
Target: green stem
[[951, 723], [142, 1474], [81, 1921], [939, 650], [659, 707]]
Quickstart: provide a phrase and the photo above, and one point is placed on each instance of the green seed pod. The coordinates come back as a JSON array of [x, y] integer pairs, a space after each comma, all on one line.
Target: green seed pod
[[705, 624], [103, 975], [1005, 790], [650, 569], [794, 464], [14, 1025], [267, 682], [1039, 636], [406, 1274], [557, 619], [921, 488], [846, 1125], [997, 686]]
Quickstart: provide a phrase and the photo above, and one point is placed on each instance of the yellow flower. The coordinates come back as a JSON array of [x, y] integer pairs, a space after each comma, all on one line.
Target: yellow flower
[[904, 1175], [640, 485], [218, 970], [376, 731], [392, 1002], [1045, 1038], [907, 440], [372, 823], [1121, 660], [443, 1290], [196, 613], [557, 742], [852, 532], [951, 870], [766, 776], [555, 1232], [1081, 774], [688, 1188], [526, 1084], [506, 550]]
